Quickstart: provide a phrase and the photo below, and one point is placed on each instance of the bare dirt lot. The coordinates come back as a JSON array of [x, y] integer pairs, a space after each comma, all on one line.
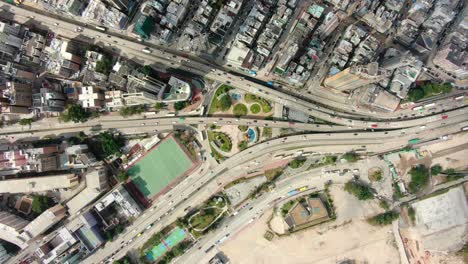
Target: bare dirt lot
[[336, 241]]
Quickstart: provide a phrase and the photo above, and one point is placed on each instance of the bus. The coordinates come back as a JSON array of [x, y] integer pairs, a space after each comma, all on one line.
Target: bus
[[429, 105], [101, 28], [417, 108], [459, 98], [146, 50], [464, 128], [414, 141], [202, 111], [298, 190]]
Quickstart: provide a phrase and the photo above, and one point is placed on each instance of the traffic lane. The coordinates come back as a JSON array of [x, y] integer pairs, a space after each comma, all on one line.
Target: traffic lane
[[165, 121], [249, 156], [215, 173], [140, 47], [202, 184], [209, 68], [255, 208]]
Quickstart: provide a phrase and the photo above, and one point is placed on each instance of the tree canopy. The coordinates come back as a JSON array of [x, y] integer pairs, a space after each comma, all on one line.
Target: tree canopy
[[361, 191], [428, 89], [110, 144], [131, 110], [225, 102], [180, 105], [436, 169], [419, 178], [41, 203], [75, 113], [384, 218], [350, 156], [25, 121]]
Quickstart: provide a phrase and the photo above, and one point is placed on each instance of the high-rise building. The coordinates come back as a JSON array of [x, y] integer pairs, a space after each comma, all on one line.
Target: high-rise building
[[121, 5], [143, 90], [452, 59], [10, 42], [356, 76], [400, 60]]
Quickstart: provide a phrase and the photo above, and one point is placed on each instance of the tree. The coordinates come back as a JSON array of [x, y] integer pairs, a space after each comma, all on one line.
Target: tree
[[362, 192], [243, 145], [240, 110], [376, 176], [296, 163], [384, 218], [180, 105], [415, 94], [350, 156], [75, 113], [41, 203], [158, 106], [109, 143], [25, 121], [104, 66], [436, 169], [419, 178], [147, 70], [131, 110], [122, 176], [77, 139], [225, 102]]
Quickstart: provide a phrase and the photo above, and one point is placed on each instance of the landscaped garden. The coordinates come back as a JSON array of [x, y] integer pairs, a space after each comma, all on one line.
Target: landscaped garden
[[265, 105], [221, 140], [240, 110], [297, 163], [221, 100], [206, 218], [255, 108]]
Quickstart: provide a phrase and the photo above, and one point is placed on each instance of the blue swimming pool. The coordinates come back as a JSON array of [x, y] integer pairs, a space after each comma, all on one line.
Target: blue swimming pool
[[251, 134], [236, 97]]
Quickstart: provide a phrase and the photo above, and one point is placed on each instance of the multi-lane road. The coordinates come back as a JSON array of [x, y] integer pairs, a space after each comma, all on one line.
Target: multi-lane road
[[399, 128], [133, 50], [201, 188]]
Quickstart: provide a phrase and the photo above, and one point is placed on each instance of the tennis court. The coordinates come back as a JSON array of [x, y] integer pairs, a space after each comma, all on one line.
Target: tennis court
[[156, 252], [159, 167], [175, 237]]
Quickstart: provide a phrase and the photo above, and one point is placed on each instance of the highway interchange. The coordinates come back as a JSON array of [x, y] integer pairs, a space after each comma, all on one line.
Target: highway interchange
[[204, 184], [396, 130]]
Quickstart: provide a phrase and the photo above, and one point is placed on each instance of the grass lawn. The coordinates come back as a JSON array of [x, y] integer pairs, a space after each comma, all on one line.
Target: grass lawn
[[240, 110], [220, 104], [222, 140], [205, 218], [158, 168], [267, 132], [265, 104], [255, 108], [287, 206], [296, 163]]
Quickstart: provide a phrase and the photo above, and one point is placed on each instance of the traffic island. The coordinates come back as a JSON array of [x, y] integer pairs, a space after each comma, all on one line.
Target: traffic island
[[206, 217]]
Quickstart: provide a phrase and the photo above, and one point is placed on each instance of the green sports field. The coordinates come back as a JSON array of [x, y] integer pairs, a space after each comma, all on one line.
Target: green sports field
[[158, 168]]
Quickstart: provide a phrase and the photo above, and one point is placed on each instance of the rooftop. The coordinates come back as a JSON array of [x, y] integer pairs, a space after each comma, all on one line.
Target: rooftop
[[38, 184], [311, 209]]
